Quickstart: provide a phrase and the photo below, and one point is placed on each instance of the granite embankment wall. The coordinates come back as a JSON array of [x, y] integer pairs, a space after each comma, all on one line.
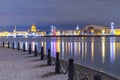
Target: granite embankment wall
[[82, 71]]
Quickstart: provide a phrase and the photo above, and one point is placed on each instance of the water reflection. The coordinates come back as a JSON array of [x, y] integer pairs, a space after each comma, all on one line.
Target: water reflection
[[92, 49], [83, 49], [103, 49], [26, 45], [43, 44], [21, 45], [76, 51], [15, 44], [96, 52], [45, 48], [33, 46], [112, 50], [53, 48], [66, 49], [79, 47], [58, 45], [63, 50], [71, 50]]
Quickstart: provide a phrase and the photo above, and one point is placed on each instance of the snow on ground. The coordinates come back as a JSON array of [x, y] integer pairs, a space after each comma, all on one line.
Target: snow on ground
[[17, 65]]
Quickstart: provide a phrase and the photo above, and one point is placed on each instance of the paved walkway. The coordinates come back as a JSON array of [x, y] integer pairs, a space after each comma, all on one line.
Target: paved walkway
[[17, 65]]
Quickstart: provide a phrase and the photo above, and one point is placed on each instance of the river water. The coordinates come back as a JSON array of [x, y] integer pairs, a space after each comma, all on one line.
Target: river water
[[100, 53]]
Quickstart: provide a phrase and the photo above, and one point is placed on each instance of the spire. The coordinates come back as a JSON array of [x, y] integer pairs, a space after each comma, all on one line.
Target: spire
[[14, 28], [33, 24], [77, 28]]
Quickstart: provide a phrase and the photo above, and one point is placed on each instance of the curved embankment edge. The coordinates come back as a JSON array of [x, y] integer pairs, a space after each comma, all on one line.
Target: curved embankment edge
[[83, 71]]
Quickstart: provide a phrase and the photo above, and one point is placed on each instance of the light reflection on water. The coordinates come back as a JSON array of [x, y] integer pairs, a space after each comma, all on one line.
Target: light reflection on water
[[103, 49], [100, 53], [112, 50], [33, 46], [92, 49]]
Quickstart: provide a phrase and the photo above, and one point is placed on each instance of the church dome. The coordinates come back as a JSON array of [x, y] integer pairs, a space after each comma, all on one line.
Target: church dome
[[33, 28]]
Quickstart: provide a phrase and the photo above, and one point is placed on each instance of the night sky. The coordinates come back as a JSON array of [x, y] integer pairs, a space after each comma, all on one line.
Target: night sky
[[64, 14]]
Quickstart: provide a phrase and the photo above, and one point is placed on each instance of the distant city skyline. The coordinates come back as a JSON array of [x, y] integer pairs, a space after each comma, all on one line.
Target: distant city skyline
[[62, 13]]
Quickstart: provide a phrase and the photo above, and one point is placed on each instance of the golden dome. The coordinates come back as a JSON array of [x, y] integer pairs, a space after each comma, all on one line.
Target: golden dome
[[33, 28]]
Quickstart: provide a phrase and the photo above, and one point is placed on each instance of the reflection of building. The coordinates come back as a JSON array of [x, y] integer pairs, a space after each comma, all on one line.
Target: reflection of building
[[103, 48], [112, 49]]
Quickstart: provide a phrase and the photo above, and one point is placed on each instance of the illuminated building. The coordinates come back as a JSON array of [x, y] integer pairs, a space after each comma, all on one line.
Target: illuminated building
[[96, 30], [53, 30], [33, 32], [33, 28], [88, 30], [116, 31], [4, 34]]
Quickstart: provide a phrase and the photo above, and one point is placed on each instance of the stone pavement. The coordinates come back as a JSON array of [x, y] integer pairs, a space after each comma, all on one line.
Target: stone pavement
[[17, 65]]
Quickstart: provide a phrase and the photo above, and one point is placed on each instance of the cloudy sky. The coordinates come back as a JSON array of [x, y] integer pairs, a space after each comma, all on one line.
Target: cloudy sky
[[25, 12]]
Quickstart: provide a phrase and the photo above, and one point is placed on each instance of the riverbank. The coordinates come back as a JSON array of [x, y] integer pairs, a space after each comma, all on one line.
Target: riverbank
[[82, 36], [83, 71], [19, 65]]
